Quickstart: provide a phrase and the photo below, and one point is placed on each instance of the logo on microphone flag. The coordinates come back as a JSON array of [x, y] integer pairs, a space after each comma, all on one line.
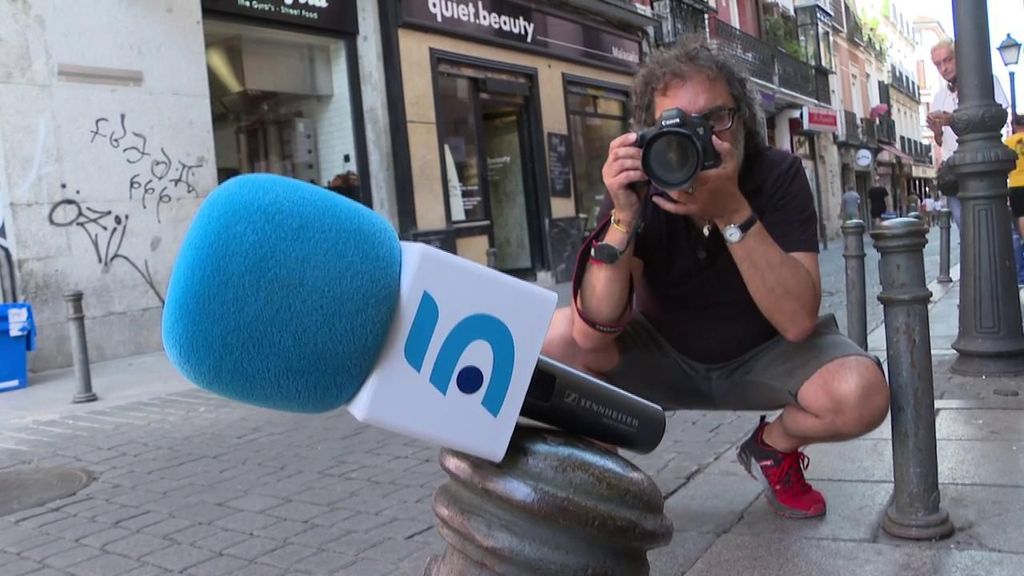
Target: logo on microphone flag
[[460, 323], [477, 327]]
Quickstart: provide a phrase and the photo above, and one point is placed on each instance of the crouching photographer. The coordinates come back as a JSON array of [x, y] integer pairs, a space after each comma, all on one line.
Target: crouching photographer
[[700, 288]]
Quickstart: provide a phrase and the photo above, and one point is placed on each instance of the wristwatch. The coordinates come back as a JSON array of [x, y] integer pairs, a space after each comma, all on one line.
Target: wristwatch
[[733, 233]]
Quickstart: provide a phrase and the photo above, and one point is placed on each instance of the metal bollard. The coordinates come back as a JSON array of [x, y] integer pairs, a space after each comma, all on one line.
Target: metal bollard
[[914, 512], [557, 505], [944, 225], [856, 295], [79, 348]]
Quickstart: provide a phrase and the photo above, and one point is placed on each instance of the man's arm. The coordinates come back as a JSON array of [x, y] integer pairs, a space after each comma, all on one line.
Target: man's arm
[[785, 286]]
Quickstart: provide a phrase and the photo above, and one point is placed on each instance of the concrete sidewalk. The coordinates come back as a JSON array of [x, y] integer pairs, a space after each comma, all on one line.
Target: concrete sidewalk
[[188, 483]]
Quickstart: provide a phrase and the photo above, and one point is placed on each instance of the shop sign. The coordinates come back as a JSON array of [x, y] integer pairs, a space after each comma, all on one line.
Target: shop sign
[[820, 119], [333, 15], [509, 22], [918, 171], [863, 158]]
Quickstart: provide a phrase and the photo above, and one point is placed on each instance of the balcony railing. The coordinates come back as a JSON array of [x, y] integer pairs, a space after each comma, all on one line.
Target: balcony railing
[[769, 64], [887, 130], [869, 131], [851, 128], [854, 30], [679, 18], [904, 83]]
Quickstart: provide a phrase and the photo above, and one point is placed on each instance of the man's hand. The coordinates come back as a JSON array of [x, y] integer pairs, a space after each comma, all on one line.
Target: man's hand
[[936, 121], [715, 194], [622, 168]]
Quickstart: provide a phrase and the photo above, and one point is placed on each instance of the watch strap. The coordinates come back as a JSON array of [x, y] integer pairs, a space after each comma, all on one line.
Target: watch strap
[[747, 224]]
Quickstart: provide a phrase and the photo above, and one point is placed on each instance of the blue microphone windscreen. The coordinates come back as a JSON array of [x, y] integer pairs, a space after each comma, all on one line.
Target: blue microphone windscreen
[[282, 294]]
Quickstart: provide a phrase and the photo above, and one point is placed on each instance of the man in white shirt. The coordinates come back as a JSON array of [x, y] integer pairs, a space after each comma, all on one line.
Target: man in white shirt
[[947, 99]]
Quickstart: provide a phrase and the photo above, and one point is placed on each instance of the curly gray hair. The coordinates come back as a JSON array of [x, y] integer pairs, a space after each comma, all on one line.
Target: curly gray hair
[[682, 61]]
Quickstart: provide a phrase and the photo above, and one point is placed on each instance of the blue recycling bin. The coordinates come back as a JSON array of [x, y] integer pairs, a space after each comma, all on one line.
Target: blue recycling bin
[[17, 339]]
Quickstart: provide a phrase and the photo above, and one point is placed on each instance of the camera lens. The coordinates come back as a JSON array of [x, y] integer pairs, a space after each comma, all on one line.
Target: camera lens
[[671, 159]]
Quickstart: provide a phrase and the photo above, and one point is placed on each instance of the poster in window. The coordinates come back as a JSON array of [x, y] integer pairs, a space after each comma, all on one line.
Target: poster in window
[[559, 167]]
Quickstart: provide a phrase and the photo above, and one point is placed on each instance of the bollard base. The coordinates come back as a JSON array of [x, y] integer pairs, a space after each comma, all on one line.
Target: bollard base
[[975, 365], [944, 279], [83, 397], [935, 526]]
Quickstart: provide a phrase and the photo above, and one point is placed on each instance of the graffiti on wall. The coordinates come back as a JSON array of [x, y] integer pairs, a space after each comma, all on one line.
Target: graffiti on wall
[[105, 230], [159, 176], [157, 179]]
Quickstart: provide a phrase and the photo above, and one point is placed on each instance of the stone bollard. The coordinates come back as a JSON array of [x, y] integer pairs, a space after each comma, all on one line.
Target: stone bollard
[[914, 512], [557, 505], [944, 225], [79, 348], [856, 296]]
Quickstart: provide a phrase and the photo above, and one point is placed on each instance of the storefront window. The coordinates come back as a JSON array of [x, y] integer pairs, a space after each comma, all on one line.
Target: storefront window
[[596, 117], [458, 129], [281, 103]]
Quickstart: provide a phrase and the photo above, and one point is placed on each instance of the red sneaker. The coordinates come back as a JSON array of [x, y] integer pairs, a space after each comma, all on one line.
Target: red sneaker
[[782, 474]]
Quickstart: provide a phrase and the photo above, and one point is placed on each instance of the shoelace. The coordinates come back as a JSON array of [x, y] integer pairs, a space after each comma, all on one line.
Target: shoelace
[[789, 473]]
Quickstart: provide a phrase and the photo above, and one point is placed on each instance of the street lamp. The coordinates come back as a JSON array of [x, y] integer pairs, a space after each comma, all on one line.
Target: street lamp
[[990, 338], [1009, 51]]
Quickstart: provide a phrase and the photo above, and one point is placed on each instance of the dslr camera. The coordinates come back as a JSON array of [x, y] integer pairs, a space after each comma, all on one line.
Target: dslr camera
[[676, 148]]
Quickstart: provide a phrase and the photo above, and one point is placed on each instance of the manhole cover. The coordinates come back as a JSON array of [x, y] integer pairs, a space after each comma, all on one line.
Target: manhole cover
[[25, 488]]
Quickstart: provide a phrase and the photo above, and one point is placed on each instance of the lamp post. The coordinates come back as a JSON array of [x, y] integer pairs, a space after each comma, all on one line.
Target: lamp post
[[990, 339], [1009, 51]]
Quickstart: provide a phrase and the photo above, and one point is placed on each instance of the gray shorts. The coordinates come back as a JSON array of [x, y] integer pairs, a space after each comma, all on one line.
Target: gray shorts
[[765, 378]]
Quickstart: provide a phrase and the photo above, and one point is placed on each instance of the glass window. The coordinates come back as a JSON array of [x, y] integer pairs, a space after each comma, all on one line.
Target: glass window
[[596, 117], [281, 103], [458, 129]]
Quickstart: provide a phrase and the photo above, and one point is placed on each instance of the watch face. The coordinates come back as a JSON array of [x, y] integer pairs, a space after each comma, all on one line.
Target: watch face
[[732, 233], [605, 252]]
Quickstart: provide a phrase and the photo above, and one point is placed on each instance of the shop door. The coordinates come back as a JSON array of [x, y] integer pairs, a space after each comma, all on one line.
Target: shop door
[[503, 137]]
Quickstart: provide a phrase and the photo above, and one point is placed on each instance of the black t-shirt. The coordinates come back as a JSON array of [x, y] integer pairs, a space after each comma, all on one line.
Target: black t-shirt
[[877, 196], [692, 291]]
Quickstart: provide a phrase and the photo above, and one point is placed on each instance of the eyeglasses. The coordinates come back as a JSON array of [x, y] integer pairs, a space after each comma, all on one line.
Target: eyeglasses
[[720, 119]]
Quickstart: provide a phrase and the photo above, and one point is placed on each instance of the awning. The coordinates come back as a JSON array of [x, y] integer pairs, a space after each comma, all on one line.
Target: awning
[[903, 156]]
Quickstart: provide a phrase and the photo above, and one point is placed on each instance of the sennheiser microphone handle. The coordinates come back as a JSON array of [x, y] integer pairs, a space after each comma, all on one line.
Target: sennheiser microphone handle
[[576, 402]]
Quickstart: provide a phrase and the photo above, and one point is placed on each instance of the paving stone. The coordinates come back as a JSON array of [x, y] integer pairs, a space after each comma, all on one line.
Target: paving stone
[[51, 548], [14, 566], [259, 570], [143, 521], [40, 519], [986, 517], [711, 503], [766, 554], [974, 462], [167, 527], [298, 511], [676, 558], [392, 550], [324, 563], [71, 556], [253, 548], [110, 534], [218, 566], [104, 565], [283, 530], [287, 555], [1003, 425], [246, 521], [178, 557], [221, 540], [855, 510], [137, 545], [254, 502]]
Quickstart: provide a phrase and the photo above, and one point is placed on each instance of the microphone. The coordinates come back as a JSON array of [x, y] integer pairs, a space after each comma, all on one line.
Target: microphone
[[287, 296]]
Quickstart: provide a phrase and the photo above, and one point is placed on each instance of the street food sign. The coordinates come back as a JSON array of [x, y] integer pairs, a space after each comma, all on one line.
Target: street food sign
[[333, 15]]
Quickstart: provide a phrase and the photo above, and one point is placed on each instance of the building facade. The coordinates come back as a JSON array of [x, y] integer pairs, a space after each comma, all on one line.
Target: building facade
[[117, 119], [502, 112]]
